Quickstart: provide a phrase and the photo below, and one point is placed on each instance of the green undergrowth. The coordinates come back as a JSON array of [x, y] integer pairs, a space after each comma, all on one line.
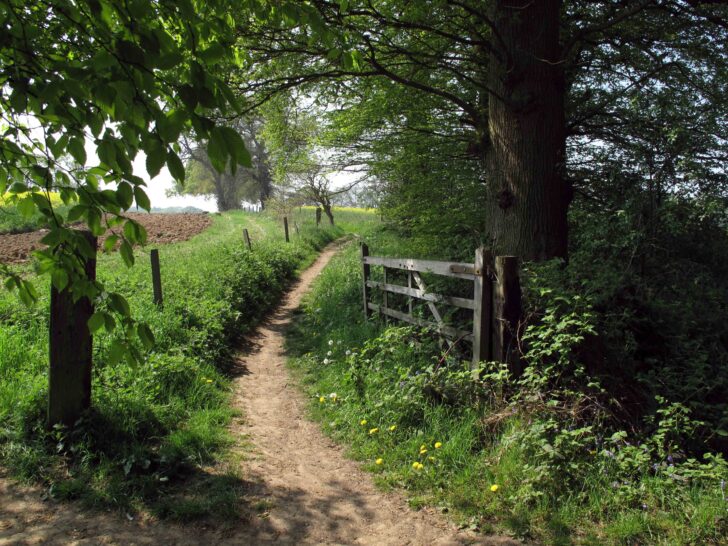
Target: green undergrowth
[[156, 438], [542, 457]]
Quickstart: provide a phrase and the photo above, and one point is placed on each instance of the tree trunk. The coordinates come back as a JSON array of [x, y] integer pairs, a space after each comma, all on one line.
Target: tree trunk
[[528, 196], [70, 350], [329, 213]]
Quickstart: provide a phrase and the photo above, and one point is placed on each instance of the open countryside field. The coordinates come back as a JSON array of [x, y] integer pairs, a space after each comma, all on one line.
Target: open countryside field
[[161, 229], [468, 283]]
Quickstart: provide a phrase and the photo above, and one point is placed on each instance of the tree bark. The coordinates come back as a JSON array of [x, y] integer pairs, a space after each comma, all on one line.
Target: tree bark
[[70, 351], [329, 213], [528, 196]]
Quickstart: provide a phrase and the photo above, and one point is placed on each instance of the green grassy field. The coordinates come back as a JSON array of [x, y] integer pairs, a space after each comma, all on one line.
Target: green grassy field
[[155, 428], [499, 454]]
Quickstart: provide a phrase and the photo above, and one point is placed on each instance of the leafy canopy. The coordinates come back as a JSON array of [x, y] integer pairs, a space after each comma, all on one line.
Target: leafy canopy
[[86, 86]]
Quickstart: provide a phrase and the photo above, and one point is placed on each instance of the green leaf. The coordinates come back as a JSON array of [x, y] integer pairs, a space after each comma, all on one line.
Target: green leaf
[[217, 150], [146, 336], [142, 199], [26, 206], [127, 254], [236, 146], [110, 242], [77, 150], [213, 53], [96, 322], [124, 195], [155, 159], [76, 212], [118, 303], [59, 278], [175, 166], [117, 351]]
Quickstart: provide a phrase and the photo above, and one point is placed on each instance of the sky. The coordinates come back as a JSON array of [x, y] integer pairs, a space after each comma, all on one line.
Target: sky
[[158, 187]]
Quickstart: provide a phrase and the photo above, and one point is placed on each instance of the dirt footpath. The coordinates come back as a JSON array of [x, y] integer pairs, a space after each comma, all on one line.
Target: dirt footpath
[[315, 495], [161, 229]]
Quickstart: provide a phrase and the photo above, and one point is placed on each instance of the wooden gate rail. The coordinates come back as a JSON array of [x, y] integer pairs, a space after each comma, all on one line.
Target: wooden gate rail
[[495, 305]]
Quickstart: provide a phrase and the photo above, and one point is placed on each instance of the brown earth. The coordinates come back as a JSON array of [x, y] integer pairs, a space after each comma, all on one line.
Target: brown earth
[[313, 494], [161, 229]]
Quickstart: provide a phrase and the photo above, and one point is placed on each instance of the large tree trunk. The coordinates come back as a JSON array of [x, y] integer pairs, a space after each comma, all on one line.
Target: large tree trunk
[[528, 196]]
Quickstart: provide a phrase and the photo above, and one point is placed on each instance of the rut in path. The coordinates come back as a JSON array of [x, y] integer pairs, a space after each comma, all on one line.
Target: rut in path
[[316, 495]]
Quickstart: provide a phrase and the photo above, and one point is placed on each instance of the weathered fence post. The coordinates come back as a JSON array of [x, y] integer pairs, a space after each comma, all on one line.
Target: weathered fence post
[[385, 294], [285, 228], [70, 350], [366, 270], [483, 312], [156, 277], [246, 237], [409, 298], [318, 216], [295, 228], [507, 312]]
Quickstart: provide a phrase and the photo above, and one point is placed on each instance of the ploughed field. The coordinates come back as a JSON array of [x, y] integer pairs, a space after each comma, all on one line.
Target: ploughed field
[[161, 229]]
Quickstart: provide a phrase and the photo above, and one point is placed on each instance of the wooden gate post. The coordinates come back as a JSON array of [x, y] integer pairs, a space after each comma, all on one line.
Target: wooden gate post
[[246, 237], [508, 312], [70, 350], [156, 277], [483, 312], [285, 228], [366, 271]]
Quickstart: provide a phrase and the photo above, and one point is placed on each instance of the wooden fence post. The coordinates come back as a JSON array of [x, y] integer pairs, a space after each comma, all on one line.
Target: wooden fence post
[[70, 350], [483, 312], [409, 298], [285, 228], [366, 271], [318, 216], [246, 237], [385, 294], [295, 228], [507, 312], [156, 277]]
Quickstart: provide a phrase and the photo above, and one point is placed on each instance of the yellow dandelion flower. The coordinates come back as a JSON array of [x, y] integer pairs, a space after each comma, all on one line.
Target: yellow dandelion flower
[[423, 451], [373, 430], [379, 461], [322, 399], [431, 458], [417, 465], [209, 381], [392, 428], [423, 446], [494, 487], [438, 445], [363, 422]]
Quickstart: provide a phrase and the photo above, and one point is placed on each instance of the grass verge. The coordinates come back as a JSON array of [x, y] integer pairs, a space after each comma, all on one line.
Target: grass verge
[[531, 457], [156, 439]]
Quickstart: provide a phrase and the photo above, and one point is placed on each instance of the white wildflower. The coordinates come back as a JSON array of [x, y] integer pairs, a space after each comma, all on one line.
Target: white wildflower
[[331, 342], [326, 361]]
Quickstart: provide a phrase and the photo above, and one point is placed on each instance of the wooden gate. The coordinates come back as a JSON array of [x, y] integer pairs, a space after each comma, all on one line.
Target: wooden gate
[[495, 306]]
